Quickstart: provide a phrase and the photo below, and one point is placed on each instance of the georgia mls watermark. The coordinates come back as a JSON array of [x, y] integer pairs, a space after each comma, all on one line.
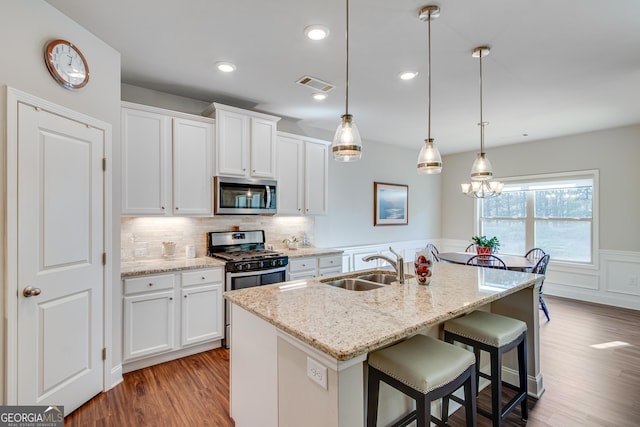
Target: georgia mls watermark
[[32, 416]]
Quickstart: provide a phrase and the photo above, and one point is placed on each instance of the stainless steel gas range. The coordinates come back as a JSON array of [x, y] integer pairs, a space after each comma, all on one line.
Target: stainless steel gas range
[[248, 263]]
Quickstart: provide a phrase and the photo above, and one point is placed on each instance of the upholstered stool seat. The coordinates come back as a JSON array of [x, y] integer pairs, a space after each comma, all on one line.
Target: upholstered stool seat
[[495, 334], [424, 369]]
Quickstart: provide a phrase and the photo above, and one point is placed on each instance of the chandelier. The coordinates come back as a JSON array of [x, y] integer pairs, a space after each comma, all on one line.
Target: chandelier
[[481, 185]]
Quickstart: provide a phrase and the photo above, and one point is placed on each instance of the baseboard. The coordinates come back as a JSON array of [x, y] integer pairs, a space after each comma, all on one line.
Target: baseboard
[[115, 377], [134, 365], [535, 385]]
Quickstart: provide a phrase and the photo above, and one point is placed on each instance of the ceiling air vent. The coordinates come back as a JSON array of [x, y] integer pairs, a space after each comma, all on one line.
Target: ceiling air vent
[[315, 84]]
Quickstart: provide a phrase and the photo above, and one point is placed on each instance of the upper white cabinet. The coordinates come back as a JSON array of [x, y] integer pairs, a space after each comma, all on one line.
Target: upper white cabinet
[[246, 142], [302, 175], [167, 162]]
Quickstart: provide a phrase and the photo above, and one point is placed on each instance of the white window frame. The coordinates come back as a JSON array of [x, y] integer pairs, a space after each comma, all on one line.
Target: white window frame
[[595, 218]]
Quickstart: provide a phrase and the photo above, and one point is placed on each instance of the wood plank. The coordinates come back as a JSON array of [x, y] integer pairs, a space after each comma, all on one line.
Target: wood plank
[[585, 386]]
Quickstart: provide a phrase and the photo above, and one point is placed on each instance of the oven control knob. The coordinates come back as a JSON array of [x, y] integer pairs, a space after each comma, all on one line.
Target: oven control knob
[[239, 267], [273, 263]]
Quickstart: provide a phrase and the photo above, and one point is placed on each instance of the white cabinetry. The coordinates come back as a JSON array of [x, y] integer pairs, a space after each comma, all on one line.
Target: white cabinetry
[[246, 142], [157, 328], [202, 306], [167, 162], [315, 266], [302, 175], [149, 315]]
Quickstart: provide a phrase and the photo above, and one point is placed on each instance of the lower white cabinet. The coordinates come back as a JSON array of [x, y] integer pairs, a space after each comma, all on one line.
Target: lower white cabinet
[[314, 267], [156, 324], [149, 315], [200, 292]]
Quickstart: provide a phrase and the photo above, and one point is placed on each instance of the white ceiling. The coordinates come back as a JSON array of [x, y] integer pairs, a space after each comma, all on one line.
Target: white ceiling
[[555, 68]]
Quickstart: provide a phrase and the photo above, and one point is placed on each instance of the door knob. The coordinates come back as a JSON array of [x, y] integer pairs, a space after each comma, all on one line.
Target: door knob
[[30, 291]]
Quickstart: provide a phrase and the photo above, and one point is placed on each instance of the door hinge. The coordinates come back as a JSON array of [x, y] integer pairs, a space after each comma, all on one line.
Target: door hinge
[[104, 258], [104, 163], [104, 354]]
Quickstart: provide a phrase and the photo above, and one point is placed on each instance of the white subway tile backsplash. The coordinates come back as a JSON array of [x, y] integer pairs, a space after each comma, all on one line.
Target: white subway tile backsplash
[[142, 237]]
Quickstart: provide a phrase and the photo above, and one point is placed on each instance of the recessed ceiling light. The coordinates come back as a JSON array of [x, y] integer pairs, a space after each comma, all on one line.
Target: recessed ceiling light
[[226, 67], [319, 96], [316, 32], [408, 75]]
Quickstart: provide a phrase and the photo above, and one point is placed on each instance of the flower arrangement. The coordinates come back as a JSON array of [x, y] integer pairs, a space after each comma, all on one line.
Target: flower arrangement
[[486, 245], [291, 242]]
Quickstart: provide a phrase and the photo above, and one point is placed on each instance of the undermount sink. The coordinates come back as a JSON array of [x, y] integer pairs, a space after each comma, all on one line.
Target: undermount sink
[[354, 284], [386, 279], [366, 282]]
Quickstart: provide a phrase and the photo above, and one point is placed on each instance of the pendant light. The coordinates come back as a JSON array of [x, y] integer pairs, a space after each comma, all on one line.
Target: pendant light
[[429, 159], [481, 186], [347, 146]]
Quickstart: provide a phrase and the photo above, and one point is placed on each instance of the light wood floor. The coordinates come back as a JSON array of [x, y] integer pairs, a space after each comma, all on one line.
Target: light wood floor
[[585, 386]]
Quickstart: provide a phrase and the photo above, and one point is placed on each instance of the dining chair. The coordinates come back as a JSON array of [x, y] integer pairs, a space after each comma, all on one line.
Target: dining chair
[[491, 261], [434, 251], [541, 268], [471, 248], [534, 254]]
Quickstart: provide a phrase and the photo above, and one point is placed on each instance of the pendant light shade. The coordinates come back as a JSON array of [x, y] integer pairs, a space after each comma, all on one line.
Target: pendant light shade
[[347, 145], [429, 159], [481, 186]]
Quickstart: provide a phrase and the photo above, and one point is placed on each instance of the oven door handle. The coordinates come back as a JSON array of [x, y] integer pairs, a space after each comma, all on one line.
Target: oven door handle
[[268, 202], [257, 272]]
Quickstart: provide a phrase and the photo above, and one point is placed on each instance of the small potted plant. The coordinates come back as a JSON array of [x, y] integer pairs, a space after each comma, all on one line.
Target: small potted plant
[[291, 242], [485, 245]]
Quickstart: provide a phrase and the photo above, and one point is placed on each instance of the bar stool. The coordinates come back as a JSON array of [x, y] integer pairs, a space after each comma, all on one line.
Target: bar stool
[[424, 369], [496, 335]]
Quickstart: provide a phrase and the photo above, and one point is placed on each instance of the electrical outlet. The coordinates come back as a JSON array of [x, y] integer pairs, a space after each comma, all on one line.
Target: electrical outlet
[[317, 372]]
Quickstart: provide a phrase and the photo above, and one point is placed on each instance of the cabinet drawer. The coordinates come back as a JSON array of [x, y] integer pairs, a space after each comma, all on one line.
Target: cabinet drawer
[[202, 276], [330, 261], [302, 264], [148, 283]]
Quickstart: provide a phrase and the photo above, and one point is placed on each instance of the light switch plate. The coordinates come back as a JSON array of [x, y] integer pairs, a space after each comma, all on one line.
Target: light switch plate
[[317, 372]]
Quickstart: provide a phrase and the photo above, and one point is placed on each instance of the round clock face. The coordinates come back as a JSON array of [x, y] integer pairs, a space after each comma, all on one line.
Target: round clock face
[[66, 64]]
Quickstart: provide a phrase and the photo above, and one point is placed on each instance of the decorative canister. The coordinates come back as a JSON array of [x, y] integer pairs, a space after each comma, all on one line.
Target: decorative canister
[[168, 249], [423, 267]]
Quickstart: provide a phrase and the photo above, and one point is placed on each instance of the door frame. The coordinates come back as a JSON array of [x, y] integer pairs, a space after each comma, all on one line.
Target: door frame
[[15, 97]]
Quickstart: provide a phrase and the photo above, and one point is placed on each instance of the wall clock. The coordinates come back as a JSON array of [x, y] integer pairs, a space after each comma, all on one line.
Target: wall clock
[[66, 64]]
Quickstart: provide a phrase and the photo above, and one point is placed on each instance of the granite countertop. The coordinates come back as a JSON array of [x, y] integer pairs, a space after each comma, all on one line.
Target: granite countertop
[[344, 324], [154, 266], [308, 251]]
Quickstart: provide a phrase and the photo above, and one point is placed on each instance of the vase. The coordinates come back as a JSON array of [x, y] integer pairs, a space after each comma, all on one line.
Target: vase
[[423, 267]]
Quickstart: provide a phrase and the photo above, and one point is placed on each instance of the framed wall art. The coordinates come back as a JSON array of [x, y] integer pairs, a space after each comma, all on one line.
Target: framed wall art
[[390, 204]]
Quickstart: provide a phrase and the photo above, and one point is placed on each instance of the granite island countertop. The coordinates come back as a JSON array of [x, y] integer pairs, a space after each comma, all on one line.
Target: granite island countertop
[[344, 324]]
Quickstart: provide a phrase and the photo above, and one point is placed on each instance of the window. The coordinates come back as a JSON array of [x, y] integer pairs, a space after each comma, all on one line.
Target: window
[[552, 212]]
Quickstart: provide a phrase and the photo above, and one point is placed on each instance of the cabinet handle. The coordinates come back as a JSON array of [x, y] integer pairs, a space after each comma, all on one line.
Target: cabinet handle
[[162, 207], [177, 208], [150, 284], [170, 298], [185, 296], [203, 278]]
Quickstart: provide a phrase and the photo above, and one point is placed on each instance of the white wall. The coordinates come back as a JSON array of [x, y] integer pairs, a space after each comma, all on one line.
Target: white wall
[[25, 27], [350, 218], [615, 153]]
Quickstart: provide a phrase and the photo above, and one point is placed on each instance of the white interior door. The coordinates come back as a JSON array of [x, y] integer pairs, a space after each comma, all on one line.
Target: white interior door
[[60, 246]]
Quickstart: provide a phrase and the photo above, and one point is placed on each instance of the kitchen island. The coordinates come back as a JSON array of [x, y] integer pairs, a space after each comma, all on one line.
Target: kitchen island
[[299, 348]]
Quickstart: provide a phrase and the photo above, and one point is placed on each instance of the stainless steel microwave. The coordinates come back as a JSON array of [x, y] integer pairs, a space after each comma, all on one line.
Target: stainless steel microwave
[[244, 196]]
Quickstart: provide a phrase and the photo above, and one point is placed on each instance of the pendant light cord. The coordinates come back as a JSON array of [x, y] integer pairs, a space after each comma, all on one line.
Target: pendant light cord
[[481, 120], [347, 72], [429, 78]]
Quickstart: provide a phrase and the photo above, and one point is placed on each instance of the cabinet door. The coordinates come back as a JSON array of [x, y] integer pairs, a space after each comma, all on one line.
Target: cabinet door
[[263, 148], [149, 324], [202, 314], [192, 167], [316, 174], [146, 163], [290, 175], [231, 143]]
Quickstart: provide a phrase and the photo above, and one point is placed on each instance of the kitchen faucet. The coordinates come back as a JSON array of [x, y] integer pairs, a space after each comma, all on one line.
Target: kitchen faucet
[[398, 264]]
